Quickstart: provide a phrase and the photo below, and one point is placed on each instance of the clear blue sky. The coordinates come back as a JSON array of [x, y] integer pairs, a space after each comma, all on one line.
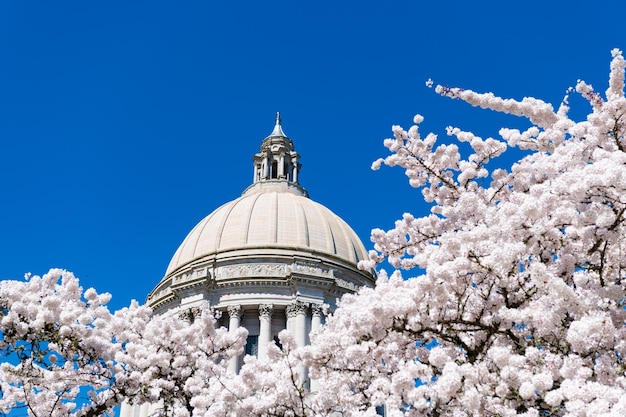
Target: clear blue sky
[[123, 123]]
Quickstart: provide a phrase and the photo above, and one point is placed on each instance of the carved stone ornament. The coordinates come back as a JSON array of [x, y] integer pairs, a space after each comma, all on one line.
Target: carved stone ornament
[[252, 270], [293, 309], [191, 275], [190, 314], [316, 310], [345, 284], [162, 293], [311, 269], [266, 310], [234, 311]]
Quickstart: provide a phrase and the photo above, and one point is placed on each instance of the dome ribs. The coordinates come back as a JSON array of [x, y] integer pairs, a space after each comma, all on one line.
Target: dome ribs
[[270, 219], [290, 220], [274, 225], [329, 236], [302, 224], [248, 220], [346, 240], [232, 223], [261, 228]]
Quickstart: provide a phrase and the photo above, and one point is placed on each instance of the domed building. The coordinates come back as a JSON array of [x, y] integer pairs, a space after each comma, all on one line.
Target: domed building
[[267, 260]]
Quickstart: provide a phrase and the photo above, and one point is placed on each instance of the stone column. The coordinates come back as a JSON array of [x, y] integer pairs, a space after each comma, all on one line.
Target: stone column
[[265, 328], [294, 161], [296, 313], [300, 325], [257, 172], [316, 316], [316, 322], [290, 312], [144, 410], [234, 314], [281, 167], [126, 410], [296, 321]]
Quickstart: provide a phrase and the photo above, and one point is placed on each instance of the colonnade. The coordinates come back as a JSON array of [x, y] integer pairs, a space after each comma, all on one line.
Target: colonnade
[[299, 324], [281, 168]]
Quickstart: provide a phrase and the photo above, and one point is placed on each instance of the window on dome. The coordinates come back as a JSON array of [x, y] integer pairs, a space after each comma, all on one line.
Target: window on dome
[[274, 170]]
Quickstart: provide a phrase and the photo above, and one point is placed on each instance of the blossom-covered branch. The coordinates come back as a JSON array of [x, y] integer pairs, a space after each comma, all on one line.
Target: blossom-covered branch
[[522, 299]]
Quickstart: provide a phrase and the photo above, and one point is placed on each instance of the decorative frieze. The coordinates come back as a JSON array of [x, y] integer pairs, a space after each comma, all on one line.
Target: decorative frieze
[[310, 268], [272, 270], [192, 275], [252, 270], [161, 294], [347, 285]]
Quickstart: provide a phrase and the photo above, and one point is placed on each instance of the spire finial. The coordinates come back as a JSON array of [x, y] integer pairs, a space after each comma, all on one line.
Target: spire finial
[[277, 165], [278, 130]]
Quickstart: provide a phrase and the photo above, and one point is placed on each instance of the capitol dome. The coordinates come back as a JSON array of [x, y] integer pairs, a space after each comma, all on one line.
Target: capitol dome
[[268, 260], [275, 216]]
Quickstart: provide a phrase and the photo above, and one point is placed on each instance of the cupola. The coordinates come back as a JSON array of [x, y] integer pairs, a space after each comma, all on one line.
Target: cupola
[[277, 164]]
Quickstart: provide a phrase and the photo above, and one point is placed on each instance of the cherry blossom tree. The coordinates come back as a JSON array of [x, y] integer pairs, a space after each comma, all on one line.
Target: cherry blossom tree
[[520, 309], [66, 354], [274, 386], [180, 364], [58, 347]]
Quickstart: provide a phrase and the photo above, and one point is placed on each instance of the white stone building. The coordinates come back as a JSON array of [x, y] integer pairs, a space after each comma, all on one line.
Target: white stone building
[[267, 260]]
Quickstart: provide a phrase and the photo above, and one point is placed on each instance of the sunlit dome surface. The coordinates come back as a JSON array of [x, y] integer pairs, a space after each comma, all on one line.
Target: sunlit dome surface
[[272, 217]]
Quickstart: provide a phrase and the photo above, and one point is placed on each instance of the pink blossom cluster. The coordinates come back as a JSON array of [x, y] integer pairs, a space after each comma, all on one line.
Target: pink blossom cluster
[[523, 295], [66, 354]]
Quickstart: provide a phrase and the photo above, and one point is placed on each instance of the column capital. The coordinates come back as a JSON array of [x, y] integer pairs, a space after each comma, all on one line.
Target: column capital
[[266, 310], [190, 314], [234, 311], [316, 310], [295, 308]]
